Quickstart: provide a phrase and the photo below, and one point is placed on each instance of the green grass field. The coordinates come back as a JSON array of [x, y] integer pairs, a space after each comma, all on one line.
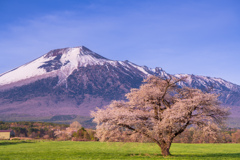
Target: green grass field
[[97, 150]]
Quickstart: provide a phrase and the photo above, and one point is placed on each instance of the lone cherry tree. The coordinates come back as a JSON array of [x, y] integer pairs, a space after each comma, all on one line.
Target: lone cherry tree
[[160, 110]]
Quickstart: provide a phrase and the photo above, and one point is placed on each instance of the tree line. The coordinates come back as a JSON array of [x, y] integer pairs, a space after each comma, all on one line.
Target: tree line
[[54, 131], [51, 131]]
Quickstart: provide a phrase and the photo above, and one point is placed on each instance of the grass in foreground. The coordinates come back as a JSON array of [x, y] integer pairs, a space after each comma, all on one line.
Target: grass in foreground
[[97, 150]]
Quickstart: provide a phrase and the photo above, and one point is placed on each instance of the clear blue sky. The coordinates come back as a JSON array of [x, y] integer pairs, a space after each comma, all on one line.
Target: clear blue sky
[[182, 36]]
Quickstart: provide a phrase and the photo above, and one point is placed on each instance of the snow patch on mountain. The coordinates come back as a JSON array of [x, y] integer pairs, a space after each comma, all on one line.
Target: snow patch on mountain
[[24, 72], [139, 68]]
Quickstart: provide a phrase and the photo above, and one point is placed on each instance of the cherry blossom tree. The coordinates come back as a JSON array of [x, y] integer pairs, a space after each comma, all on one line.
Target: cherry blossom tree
[[160, 110]]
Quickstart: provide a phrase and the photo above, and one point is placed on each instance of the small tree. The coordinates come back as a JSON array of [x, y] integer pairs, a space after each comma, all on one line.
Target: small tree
[[67, 132], [75, 125], [160, 110], [236, 136]]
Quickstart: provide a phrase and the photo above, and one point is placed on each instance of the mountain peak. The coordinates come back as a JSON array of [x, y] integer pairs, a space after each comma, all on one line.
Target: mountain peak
[[80, 50], [71, 58], [84, 48], [64, 60]]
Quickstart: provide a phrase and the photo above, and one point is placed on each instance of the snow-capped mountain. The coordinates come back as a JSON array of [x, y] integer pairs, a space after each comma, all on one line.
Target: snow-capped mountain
[[62, 63], [76, 80], [68, 81]]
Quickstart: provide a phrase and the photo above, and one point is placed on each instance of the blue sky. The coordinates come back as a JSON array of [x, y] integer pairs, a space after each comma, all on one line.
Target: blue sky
[[189, 36]]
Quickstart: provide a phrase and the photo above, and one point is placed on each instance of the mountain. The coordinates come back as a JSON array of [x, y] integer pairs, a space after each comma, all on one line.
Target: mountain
[[68, 81], [73, 81]]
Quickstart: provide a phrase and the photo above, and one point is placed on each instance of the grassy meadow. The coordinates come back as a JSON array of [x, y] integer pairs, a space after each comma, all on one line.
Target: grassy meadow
[[98, 150]]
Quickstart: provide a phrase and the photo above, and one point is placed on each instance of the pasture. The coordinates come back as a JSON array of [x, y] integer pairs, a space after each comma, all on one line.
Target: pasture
[[98, 150]]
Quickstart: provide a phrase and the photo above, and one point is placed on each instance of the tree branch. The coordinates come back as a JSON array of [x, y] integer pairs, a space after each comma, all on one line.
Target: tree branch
[[133, 129]]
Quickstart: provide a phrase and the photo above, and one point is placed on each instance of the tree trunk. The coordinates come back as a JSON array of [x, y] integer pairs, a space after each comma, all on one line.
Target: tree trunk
[[165, 148], [165, 151]]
